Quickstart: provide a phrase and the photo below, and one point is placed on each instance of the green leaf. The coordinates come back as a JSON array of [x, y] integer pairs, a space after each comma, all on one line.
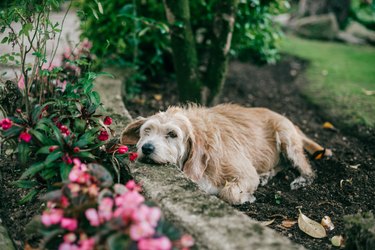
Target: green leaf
[[32, 170], [23, 152], [26, 184], [95, 14], [5, 39], [29, 197], [26, 29], [100, 8], [118, 241], [65, 170], [79, 125], [43, 150], [95, 98], [53, 156], [40, 137], [48, 174], [85, 155]]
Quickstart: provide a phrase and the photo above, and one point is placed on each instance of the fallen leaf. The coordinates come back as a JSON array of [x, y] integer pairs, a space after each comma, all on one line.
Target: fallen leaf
[[368, 92], [288, 223], [355, 166], [327, 223], [266, 223], [329, 126], [158, 97], [310, 227], [338, 241]]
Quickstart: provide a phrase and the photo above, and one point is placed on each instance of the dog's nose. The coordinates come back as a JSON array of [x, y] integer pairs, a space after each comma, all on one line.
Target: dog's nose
[[148, 148]]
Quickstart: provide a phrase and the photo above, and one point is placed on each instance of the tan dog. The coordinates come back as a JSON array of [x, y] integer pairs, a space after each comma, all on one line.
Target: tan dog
[[228, 150]]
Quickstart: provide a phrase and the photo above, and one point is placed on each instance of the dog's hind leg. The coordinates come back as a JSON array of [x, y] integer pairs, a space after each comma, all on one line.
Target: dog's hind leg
[[292, 146]]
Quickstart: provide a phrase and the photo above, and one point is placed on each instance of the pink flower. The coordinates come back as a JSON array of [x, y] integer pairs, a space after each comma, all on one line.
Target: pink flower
[[103, 136], [70, 237], [76, 149], [86, 44], [24, 136], [68, 246], [74, 188], [131, 185], [186, 241], [133, 156], [21, 82], [87, 244], [107, 120], [129, 199], [93, 190], [105, 208], [67, 53], [93, 217], [6, 123], [79, 176], [122, 149], [53, 148], [64, 201], [52, 217], [141, 230], [162, 243], [151, 215], [69, 224], [67, 159]]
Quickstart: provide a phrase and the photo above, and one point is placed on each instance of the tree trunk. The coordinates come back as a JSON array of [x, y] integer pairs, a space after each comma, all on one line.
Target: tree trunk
[[184, 51], [220, 46]]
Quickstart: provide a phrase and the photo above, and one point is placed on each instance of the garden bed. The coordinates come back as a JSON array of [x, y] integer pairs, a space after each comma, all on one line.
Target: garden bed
[[345, 184]]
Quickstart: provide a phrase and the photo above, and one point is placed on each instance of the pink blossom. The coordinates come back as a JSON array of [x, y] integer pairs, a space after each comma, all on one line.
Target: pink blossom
[[25, 136], [67, 159], [133, 156], [122, 149], [70, 237], [76, 149], [141, 230], [132, 185], [162, 243], [69, 224], [74, 188], [21, 82], [129, 199], [151, 215], [6, 123], [105, 208], [64, 130], [93, 217], [103, 136], [186, 241], [67, 53], [68, 246], [64, 201], [51, 217], [87, 244], [93, 190], [79, 176], [107, 120], [86, 44]]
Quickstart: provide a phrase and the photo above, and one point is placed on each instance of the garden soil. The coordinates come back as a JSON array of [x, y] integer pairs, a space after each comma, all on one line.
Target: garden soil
[[345, 184]]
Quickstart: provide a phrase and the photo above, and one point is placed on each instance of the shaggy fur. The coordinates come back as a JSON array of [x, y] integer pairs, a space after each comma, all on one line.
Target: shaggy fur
[[228, 150]]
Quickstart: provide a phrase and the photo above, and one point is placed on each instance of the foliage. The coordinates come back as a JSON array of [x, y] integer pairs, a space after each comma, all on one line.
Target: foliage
[[360, 231], [364, 12], [89, 210], [135, 32]]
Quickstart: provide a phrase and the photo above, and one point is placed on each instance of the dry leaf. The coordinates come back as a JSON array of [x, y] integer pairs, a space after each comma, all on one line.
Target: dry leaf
[[329, 126], [355, 166], [310, 227], [158, 97], [338, 241], [266, 223], [368, 92], [327, 223], [288, 223]]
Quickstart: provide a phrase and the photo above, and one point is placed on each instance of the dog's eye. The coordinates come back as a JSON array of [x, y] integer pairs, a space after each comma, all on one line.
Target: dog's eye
[[172, 134]]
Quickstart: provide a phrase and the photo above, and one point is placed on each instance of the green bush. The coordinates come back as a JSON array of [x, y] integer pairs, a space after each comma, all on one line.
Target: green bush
[[134, 33]]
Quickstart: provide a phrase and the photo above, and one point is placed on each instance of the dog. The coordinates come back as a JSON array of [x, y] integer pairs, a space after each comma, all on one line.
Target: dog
[[228, 150]]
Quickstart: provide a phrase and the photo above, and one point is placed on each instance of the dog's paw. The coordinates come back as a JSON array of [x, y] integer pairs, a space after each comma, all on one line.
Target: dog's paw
[[300, 182], [247, 198]]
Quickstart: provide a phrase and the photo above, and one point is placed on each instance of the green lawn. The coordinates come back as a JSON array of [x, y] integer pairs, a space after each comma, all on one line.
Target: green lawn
[[337, 76]]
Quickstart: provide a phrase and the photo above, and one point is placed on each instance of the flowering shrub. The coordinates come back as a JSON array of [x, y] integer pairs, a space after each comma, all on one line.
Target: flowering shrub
[[89, 212]]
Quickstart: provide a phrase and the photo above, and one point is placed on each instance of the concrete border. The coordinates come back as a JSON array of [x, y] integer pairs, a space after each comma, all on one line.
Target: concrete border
[[213, 223]]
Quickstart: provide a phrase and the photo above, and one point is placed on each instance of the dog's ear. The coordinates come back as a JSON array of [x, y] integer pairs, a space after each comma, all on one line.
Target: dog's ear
[[196, 162], [130, 135]]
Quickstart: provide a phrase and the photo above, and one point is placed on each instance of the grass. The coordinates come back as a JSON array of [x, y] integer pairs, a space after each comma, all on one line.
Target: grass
[[337, 76]]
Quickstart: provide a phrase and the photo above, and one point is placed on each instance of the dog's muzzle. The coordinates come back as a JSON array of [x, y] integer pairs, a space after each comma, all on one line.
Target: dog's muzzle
[[148, 149]]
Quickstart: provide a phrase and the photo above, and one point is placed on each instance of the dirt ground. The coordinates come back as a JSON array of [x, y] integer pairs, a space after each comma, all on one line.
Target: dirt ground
[[338, 190], [345, 184]]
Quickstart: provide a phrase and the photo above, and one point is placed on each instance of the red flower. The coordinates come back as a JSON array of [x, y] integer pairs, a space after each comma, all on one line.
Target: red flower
[[122, 149], [133, 156], [66, 158], [107, 120], [103, 136], [26, 137], [76, 149], [64, 130], [53, 148], [6, 123]]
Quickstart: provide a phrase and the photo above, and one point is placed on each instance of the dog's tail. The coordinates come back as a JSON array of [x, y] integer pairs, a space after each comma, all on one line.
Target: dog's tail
[[314, 149]]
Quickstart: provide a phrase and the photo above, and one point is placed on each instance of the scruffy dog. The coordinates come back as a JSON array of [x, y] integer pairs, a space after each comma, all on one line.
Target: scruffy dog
[[228, 150]]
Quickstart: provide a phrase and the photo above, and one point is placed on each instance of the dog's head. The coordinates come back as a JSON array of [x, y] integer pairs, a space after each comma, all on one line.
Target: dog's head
[[166, 137]]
